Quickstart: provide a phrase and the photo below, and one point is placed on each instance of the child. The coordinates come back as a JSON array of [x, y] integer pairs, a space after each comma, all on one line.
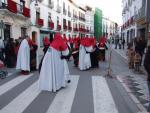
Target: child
[[131, 54], [137, 59]]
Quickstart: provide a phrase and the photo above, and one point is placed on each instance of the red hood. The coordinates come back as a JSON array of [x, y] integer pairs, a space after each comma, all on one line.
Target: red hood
[[102, 40], [65, 39], [58, 43], [46, 41], [30, 42], [93, 41], [86, 42]]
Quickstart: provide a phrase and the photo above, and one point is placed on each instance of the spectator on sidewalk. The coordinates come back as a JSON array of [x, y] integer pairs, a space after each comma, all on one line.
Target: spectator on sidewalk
[[140, 47], [130, 54], [120, 43], [147, 63], [1, 50], [116, 41], [123, 43], [10, 56]]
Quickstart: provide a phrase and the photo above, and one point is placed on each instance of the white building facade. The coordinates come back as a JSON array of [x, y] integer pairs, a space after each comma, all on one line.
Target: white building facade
[[134, 19], [109, 27], [64, 16], [43, 18], [14, 18]]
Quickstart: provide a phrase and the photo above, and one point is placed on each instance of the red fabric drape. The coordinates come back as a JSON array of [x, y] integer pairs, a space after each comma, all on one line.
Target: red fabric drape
[[12, 6], [26, 12]]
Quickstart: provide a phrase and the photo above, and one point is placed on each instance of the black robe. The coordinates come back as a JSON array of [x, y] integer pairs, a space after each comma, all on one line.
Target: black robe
[[94, 58], [33, 57], [10, 56]]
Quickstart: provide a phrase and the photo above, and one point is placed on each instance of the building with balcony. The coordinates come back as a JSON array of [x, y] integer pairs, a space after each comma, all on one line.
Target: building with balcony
[[89, 16], [134, 19], [109, 27], [64, 16], [14, 18]]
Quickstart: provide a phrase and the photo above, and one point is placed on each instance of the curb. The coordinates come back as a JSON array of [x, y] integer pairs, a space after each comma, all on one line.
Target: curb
[[135, 100]]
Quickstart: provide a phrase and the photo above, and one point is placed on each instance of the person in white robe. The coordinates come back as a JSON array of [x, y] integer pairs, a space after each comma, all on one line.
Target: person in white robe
[[54, 70], [23, 58], [84, 56]]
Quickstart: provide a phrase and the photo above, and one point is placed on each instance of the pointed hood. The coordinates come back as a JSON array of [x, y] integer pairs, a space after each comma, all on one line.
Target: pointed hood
[[46, 41], [86, 42], [58, 43], [64, 38]]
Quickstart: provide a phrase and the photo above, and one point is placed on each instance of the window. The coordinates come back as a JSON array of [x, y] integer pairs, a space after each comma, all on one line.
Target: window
[[49, 17], [68, 8], [49, 2], [7, 31], [57, 2], [64, 10], [69, 23], [37, 15], [23, 32], [57, 21], [64, 23]]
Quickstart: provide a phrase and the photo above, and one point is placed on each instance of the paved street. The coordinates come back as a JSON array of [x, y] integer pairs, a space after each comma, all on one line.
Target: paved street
[[88, 92]]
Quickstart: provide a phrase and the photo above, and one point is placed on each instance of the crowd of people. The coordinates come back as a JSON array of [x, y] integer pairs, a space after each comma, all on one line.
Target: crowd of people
[[8, 52], [54, 71], [53, 68]]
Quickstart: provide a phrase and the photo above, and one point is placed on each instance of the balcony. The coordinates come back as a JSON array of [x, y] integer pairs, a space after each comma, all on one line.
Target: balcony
[[69, 13], [40, 22], [75, 16], [58, 9], [15, 8], [75, 29], [64, 11], [51, 5], [58, 27], [12, 6], [51, 25], [82, 19], [70, 28], [26, 12], [65, 27]]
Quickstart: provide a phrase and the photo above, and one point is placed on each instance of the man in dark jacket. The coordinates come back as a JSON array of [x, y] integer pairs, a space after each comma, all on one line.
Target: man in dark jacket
[[147, 63]]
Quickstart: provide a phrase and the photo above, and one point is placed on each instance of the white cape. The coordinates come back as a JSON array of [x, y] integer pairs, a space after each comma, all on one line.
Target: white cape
[[23, 58], [84, 59], [52, 75]]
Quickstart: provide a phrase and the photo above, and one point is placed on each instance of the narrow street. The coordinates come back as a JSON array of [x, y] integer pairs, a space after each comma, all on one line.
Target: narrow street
[[88, 92]]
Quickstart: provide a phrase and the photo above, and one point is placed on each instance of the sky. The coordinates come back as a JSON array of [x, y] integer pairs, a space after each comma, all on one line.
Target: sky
[[111, 8]]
